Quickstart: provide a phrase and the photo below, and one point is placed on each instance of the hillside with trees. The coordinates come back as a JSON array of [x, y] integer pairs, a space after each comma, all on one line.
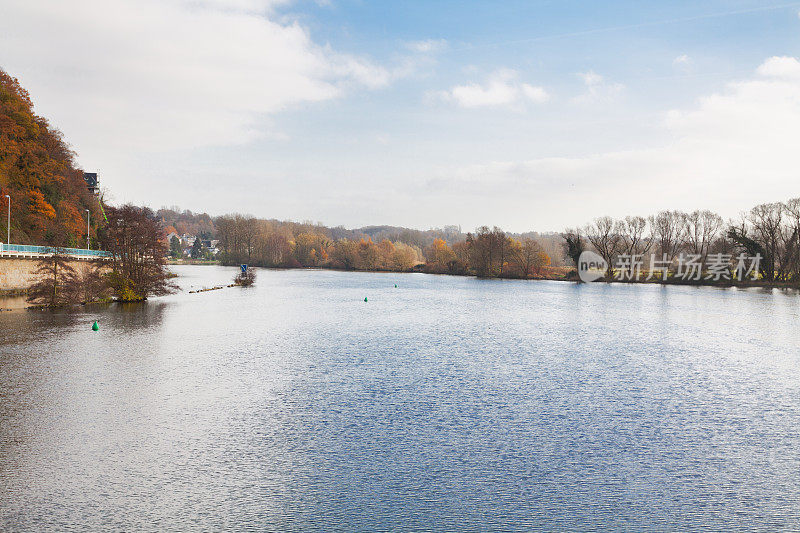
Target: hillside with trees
[[49, 197]]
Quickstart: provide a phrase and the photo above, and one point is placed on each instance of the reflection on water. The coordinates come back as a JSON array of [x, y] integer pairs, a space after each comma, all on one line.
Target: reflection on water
[[10, 303], [444, 403]]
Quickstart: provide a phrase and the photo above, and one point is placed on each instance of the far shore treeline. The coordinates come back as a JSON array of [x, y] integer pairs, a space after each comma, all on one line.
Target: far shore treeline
[[49, 200], [770, 231]]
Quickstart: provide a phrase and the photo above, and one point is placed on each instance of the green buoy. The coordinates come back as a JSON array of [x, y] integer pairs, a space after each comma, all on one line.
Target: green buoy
[[95, 326], [365, 298], [395, 285]]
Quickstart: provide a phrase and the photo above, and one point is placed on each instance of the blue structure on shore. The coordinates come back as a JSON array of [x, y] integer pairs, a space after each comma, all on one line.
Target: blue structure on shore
[[44, 250]]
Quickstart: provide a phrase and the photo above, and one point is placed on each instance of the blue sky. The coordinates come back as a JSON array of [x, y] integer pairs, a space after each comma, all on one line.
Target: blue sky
[[527, 115]]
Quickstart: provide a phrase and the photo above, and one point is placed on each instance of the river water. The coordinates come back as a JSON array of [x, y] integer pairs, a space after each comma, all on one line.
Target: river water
[[445, 403]]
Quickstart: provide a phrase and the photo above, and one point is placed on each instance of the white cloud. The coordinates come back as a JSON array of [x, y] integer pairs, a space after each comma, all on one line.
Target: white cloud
[[683, 63], [780, 67], [730, 151], [361, 71], [591, 78], [681, 59], [501, 89], [597, 89], [160, 75], [534, 93], [428, 46], [235, 5]]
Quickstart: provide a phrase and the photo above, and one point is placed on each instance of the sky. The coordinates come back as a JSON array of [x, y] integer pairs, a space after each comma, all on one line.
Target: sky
[[528, 115]]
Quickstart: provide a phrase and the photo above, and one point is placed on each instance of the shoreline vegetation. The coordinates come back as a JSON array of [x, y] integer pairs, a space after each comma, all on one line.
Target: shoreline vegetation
[[672, 247], [50, 197], [745, 284], [758, 284], [134, 270]]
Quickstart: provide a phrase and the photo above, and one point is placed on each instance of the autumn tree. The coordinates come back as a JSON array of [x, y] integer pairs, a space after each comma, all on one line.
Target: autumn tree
[[460, 264], [367, 255], [404, 257], [133, 237], [488, 251], [345, 254], [385, 254], [310, 249], [37, 170], [528, 257], [439, 256], [277, 249]]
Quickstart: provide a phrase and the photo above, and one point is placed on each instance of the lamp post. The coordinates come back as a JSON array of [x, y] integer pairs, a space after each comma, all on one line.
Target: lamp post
[[88, 217], [9, 219]]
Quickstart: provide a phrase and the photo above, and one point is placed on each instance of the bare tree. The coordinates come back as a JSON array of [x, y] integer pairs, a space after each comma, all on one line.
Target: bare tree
[[90, 284], [701, 229], [604, 235], [669, 229], [766, 220], [635, 239], [792, 243], [55, 285]]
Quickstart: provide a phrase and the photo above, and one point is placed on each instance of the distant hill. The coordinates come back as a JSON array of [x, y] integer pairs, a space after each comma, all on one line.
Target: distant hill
[[49, 197]]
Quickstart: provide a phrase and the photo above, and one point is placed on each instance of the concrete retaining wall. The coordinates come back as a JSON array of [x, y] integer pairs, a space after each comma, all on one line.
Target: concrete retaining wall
[[17, 272]]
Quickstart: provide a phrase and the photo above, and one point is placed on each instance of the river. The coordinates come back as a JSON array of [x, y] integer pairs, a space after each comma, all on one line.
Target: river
[[442, 403]]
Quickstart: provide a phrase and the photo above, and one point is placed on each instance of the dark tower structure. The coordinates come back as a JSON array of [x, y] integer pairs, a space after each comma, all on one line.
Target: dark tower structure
[[91, 181]]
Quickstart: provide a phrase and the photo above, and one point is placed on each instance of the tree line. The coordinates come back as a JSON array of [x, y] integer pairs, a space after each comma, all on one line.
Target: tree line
[[486, 252], [770, 231]]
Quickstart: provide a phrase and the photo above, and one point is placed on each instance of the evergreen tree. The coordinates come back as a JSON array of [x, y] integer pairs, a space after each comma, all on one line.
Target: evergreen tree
[[197, 248], [175, 249]]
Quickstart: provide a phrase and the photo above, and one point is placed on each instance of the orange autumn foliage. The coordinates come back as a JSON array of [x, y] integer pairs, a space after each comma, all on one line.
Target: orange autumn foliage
[[48, 194]]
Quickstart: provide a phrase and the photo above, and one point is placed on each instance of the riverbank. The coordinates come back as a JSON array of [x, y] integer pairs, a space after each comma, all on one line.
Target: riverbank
[[14, 299], [10, 293], [566, 274], [193, 262]]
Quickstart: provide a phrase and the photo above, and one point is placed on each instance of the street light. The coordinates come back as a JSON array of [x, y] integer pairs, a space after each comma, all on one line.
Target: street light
[[9, 219], [88, 216]]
